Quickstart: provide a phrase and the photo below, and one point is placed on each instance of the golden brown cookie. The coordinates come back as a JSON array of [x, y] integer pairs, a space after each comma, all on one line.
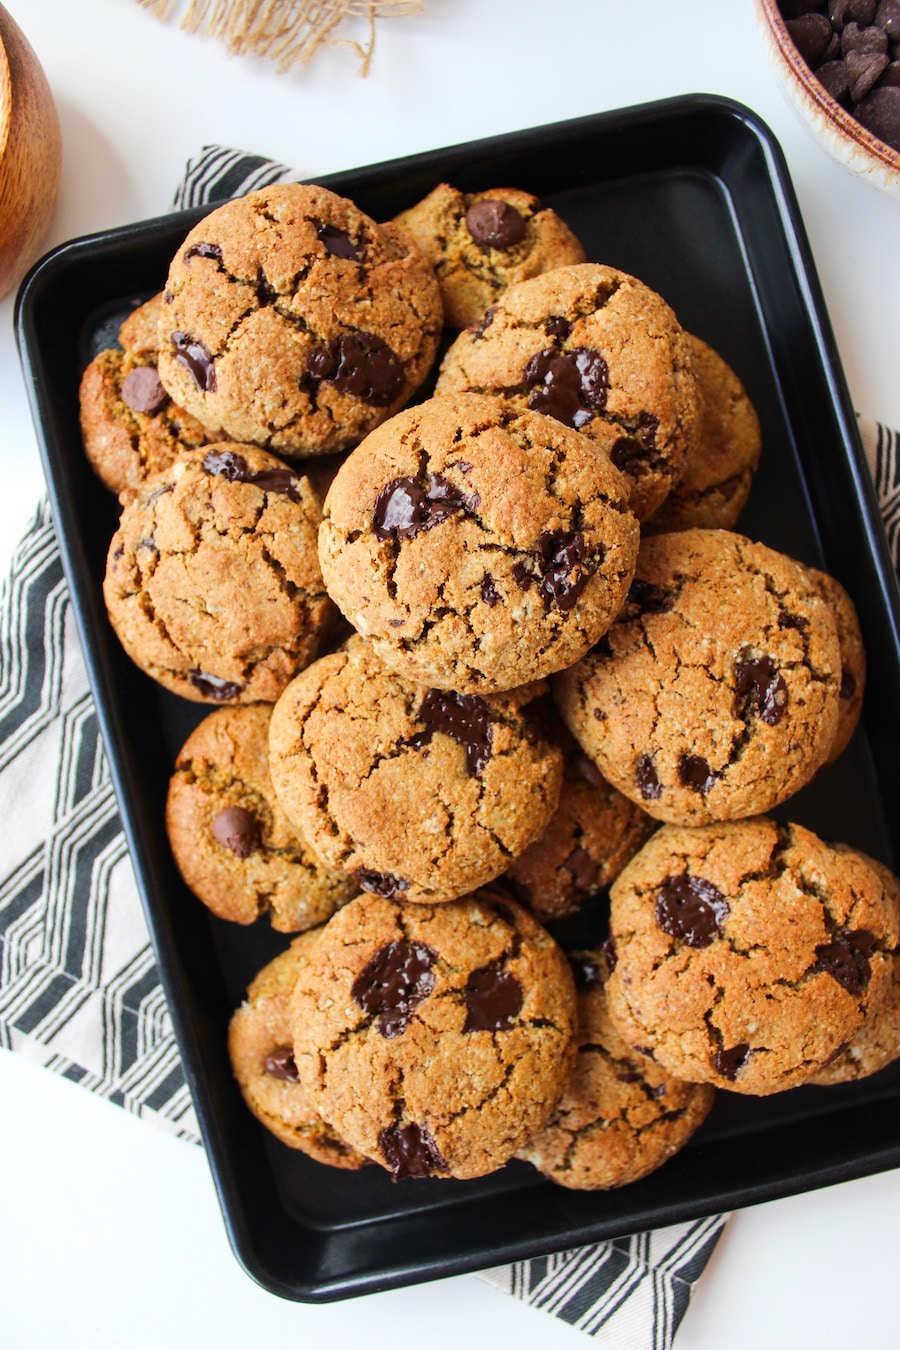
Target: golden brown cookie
[[479, 243], [416, 792], [718, 474], [234, 846], [477, 547], [853, 657], [621, 1116], [592, 834], [747, 953], [262, 1059], [599, 351], [715, 695], [212, 580], [293, 321], [129, 425], [435, 1040]]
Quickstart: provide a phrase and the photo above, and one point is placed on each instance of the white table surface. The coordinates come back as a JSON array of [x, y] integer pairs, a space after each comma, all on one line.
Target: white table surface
[[110, 1233]]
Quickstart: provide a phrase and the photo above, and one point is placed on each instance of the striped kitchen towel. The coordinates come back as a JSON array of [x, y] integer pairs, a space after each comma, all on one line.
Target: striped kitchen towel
[[79, 989]]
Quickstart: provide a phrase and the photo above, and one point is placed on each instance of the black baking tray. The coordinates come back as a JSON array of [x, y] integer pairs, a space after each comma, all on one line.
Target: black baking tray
[[691, 195]]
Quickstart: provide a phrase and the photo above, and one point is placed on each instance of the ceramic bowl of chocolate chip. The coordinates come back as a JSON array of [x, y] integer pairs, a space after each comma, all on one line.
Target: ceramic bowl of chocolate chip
[[839, 64]]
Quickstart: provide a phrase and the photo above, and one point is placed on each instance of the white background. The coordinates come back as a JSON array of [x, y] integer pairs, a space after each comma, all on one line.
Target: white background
[[110, 1233]]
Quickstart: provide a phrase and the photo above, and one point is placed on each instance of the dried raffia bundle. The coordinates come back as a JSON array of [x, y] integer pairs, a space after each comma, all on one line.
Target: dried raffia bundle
[[288, 32]]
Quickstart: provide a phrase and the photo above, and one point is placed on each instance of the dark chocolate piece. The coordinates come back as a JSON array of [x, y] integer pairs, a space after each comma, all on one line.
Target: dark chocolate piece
[[196, 359], [359, 364], [393, 984], [495, 224], [648, 597], [203, 251], [847, 959], [760, 689], [142, 390], [213, 686], [281, 1064], [647, 779], [586, 969], [557, 327], [695, 772], [465, 717], [582, 868], [410, 1151], [380, 883], [570, 386], [690, 908], [561, 568], [337, 242], [493, 998], [810, 35], [237, 829], [729, 1061], [403, 508]]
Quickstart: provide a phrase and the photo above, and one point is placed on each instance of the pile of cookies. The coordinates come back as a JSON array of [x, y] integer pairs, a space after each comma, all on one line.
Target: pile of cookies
[[480, 660]]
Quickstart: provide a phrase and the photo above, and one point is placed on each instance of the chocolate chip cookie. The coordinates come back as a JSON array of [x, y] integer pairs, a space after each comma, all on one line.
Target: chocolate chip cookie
[[478, 547], [715, 694], [592, 834], [718, 474], [417, 792], [435, 1040], [853, 658], [262, 1059], [129, 425], [212, 580], [747, 953], [599, 351], [293, 321], [621, 1116], [233, 844], [479, 243]]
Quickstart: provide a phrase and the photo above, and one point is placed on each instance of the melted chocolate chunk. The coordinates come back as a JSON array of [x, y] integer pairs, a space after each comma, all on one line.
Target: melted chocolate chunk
[[410, 1151], [570, 386], [489, 593], [464, 717], [582, 868], [380, 883], [487, 318], [557, 327], [493, 998], [586, 969], [359, 364], [848, 959], [648, 597], [281, 1064], [228, 464], [142, 390], [393, 984], [197, 361], [561, 568], [848, 684], [212, 686], [690, 908], [694, 772], [203, 251], [628, 454], [647, 779], [788, 620], [281, 481], [237, 829], [729, 1061], [495, 224], [337, 242], [759, 688], [588, 769], [265, 293], [403, 508]]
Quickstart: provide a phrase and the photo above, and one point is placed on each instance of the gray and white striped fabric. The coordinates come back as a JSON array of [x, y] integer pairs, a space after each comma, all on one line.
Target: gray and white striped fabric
[[79, 989]]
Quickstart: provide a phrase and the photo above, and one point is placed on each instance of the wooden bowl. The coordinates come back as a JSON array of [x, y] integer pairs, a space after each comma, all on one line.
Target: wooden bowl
[[842, 136], [30, 154]]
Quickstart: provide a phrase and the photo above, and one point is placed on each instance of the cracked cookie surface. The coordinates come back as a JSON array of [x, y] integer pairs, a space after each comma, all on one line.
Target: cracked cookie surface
[[262, 1060], [718, 473], [212, 581], [477, 547], [747, 953], [435, 1040], [414, 791], [480, 243], [293, 321], [715, 694], [234, 846], [599, 351], [129, 425], [621, 1116]]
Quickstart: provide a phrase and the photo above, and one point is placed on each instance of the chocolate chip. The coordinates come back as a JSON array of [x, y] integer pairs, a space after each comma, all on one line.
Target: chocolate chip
[[582, 868], [586, 969], [588, 769], [403, 508], [628, 454], [729, 1061], [380, 883], [561, 569], [869, 39], [647, 780], [410, 1151], [848, 684], [237, 829], [557, 327], [211, 686], [359, 364], [495, 224], [695, 772], [489, 593], [464, 717], [265, 293], [570, 386], [810, 35], [203, 251], [493, 998], [792, 9], [887, 16], [487, 318], [648, 597], [690, 908], [142, 390], [197, 361], [758, 688], [879, 112], [225, 464], [842, 12], [847, 959], [280, 1064], [863, 69], [891, 76], [393, 984], [282, 481], [337, 242], [788, 620]]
